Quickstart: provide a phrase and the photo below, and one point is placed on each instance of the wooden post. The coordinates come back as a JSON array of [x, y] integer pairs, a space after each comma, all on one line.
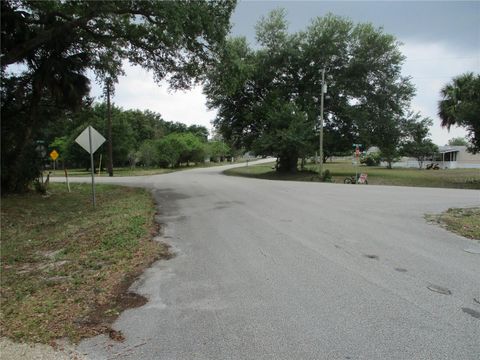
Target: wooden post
[[100, 165], [66, 178]]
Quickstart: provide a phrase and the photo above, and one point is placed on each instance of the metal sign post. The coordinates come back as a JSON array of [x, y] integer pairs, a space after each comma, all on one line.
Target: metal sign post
[[92, 165], [323, 92]]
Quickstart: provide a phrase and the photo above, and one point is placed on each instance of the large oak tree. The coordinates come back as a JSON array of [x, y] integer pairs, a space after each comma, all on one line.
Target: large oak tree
[[54, 43], [268, 99]]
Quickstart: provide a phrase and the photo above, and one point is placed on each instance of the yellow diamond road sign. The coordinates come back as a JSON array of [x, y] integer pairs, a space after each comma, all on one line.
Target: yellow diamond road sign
[[54, 155]]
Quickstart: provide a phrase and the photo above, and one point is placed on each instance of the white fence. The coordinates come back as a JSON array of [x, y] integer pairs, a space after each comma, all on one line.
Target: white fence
[[410, 163]]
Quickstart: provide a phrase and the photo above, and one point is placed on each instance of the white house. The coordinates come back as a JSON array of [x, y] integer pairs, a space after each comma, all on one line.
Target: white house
[[457, 157], [447, 157]]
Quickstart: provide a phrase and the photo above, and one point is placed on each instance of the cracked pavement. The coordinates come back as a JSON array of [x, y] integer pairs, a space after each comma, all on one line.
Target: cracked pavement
[[281, 270]]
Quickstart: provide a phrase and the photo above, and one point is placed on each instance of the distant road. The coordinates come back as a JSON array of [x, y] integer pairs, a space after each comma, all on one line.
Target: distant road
[[296, 270]]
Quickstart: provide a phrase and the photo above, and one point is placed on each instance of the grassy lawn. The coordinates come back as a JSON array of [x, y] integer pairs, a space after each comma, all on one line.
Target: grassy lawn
[[454, 178], [65, 267], [138, 171], [465, 222], [118, 172]]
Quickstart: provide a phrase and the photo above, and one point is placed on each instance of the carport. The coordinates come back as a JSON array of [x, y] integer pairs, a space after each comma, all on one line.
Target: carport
[[449, 157]]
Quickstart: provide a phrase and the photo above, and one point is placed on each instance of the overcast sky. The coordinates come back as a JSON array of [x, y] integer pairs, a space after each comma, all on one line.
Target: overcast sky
[[441, 39]]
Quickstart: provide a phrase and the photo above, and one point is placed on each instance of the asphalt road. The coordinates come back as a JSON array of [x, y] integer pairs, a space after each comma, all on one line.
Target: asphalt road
[[292, 270]]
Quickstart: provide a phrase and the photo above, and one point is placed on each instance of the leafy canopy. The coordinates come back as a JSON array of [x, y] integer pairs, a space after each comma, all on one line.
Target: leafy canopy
[[416, 142], [56, 42], [458, 141], [460, 106], [171, 38], [268, 99]]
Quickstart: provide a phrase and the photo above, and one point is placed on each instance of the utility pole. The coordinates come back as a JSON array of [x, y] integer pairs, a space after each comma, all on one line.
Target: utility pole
[[109, 121], [323, 91]]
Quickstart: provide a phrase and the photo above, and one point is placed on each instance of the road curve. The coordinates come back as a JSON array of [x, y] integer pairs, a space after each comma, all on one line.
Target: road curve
[[296, 270]]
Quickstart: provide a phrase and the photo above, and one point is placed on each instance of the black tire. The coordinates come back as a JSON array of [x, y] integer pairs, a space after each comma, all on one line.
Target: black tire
[[347, 181]]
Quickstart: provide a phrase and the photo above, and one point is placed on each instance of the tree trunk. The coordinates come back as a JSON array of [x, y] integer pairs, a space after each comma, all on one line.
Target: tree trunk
[[288, 163], [420, 162]]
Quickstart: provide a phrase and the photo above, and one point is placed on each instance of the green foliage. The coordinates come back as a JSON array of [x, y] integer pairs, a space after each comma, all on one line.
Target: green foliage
[[61, 259], [271, 31], [169, 150], [199, 131], [194, 148], [40, 186], [175, 148], [327, 176], [148, 153], [289, 135], [167, 37], [449, 178], [133, 133], [416, 143], [58, 41], [420, 150], [27, 102], [372, 159], [462, 221], [458, 141], [218, 150], [60, 144], [268, 100], [460, 106], [390, 155], [133, 158]]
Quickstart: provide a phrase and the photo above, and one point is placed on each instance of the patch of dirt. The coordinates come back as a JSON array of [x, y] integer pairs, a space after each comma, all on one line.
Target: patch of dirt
[[51, 254], [100, 319], [461, 221], [52, 265]]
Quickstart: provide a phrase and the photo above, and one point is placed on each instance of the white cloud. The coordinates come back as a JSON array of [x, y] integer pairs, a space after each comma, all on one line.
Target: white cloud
[[138, 90], [431, 66]]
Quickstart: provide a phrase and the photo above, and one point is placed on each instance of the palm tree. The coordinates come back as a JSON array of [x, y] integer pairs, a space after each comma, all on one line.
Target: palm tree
[[453, 94], [460, 106]]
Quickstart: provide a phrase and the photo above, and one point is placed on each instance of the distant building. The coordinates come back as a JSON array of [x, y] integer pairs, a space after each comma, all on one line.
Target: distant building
[[457, 157], [447, 157]]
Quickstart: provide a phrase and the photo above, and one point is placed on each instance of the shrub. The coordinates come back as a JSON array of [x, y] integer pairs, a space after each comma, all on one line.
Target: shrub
[[327, 176], [372, 159]]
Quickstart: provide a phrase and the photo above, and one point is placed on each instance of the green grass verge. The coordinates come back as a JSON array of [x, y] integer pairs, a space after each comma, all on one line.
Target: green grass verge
[[138, 171], [65, 266], [465, 222], [118, 172], [454, 178]]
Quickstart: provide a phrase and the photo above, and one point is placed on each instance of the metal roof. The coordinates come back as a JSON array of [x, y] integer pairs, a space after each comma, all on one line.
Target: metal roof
[[450, 149]]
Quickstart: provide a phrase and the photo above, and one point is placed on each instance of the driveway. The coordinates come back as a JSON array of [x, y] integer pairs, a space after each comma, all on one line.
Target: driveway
[[296, 270]]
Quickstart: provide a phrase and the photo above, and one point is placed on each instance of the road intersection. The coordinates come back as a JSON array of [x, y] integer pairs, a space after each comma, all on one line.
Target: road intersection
[[282, 270]]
